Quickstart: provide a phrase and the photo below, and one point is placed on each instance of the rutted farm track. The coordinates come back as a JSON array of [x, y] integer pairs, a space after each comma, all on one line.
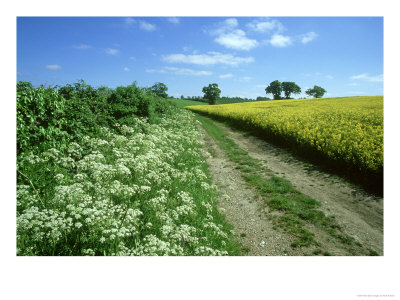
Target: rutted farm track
[[359, 214]]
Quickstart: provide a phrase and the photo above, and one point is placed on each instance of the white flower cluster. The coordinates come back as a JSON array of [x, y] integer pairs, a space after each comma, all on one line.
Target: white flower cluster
[[137, 190]]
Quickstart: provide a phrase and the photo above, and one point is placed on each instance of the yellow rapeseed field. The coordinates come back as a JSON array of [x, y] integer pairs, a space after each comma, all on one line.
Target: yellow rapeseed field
[[348, 130]]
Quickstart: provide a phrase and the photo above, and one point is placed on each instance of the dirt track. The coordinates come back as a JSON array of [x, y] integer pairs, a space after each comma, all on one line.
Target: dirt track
[[359, 214]]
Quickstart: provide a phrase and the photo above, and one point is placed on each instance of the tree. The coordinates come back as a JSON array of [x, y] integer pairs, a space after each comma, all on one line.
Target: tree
[[259, 98], [316, 92], [211, 93], [274, 88], [159, 90], [290, 87]]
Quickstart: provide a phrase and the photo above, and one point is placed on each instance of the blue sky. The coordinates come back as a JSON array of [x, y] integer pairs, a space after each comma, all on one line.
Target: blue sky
[[243, 55]]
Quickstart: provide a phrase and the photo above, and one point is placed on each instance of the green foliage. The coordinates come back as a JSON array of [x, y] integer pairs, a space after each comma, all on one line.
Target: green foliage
[[48, 116], [289, 88], [211, 93], [195, 98], [40, 117], [259, 98], [87, 184], [131, 100], [104, 91], [86, 109], [183, 102], [316, 92], [23, 86], [274, 88], [159, 89], [222, 100]]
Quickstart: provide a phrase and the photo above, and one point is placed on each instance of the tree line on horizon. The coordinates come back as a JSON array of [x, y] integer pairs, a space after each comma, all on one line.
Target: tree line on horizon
[[212, 92], [289, 87]]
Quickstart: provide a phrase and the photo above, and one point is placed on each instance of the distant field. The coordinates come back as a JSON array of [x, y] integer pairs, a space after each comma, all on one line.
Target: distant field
[[349, 130], [183, 103]]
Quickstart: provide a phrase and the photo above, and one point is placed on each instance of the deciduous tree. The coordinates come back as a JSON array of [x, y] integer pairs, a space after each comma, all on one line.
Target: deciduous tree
[[290, 87], [211, 93], [316, 91], [274, 88], [159, 89]]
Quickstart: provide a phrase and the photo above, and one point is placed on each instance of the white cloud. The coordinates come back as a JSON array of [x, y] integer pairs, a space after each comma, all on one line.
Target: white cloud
[[266, 25], [317, 74], [225, 26], [180, 71], [279, 40], [131, 57], [246, 78], [82, 47], [228, 35], [231, 23], [129, 21], [173, 20], [147, 26], [211, 58], [53, 67], [229, 75], [236, 40], [366, 77], [308, 37], [361, 76], [126, 69], [111, 51], [155, 71], [356, 93]]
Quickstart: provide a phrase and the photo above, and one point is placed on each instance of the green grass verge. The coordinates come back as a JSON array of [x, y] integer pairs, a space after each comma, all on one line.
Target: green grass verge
[[183, 103]]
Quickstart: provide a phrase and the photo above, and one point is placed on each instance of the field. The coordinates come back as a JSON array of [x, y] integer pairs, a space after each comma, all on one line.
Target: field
[[183, 103], [124, 172], [347, 132]]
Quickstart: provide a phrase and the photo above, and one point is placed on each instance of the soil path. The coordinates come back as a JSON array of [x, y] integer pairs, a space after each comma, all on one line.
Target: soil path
[[243, 208], [360, 214]]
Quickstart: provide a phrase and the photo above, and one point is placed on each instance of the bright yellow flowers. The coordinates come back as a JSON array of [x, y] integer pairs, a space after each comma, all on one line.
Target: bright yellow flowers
[[346, 129]]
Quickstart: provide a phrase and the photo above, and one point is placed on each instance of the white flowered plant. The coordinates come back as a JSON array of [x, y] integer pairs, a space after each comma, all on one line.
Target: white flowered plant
[[138, 190]]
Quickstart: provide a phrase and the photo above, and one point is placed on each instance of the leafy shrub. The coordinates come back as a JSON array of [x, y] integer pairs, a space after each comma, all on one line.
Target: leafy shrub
[[40, 117], [86, 108], [131, 100]]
